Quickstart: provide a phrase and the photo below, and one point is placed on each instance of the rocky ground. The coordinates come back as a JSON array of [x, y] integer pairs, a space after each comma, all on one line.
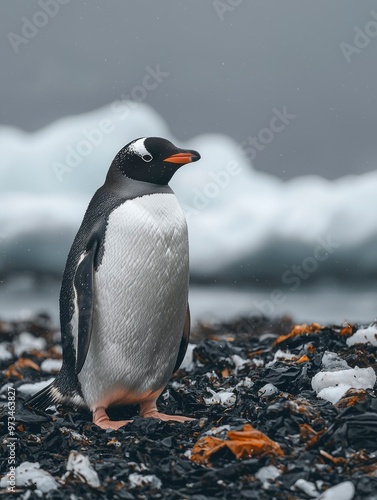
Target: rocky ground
[[282, 411]]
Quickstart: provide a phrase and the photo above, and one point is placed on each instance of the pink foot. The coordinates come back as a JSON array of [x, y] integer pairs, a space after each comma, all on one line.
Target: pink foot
[[101, 419], [167, 418], [148, 409]]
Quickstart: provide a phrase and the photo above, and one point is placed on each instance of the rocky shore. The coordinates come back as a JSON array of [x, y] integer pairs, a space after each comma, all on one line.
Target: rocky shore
[[282, 411]]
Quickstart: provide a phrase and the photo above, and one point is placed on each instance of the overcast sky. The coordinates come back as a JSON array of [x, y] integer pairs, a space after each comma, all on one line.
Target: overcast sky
[[225, 69]]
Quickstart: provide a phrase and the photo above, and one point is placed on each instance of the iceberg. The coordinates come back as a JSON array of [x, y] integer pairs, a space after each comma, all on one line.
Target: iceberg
[[244, 224]]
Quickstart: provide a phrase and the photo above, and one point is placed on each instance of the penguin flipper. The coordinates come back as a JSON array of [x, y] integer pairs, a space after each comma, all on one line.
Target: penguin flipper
[[184, 340], [83, 284]]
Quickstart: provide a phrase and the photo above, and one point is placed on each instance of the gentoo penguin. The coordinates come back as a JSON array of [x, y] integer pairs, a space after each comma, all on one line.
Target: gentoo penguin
[[124, 314]]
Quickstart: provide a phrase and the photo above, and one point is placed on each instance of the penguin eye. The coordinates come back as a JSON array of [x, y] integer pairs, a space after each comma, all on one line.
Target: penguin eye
[[147, 157]]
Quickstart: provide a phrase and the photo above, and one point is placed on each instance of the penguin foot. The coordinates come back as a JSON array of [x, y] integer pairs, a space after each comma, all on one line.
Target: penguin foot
[[167, 418], [101, 419], [148, 409]]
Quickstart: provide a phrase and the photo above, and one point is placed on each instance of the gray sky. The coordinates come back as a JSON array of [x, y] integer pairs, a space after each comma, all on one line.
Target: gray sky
[[227, 72]]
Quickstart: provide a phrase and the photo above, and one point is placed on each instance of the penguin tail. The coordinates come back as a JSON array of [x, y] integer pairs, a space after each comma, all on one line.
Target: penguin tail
[[52, 395]]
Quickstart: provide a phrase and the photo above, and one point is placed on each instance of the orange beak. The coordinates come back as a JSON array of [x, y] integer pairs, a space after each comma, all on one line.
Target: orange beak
[[180, 158]]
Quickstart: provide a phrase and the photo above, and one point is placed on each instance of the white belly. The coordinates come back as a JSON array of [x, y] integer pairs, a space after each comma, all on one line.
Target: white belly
[[141, 289]]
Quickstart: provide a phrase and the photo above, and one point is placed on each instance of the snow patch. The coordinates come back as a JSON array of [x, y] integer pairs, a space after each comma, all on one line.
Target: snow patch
[[29, 474], [267, 390], [51, 365], [281, 356], [306, 487], [267, 474], [80, 467], [4, 351], [31, 389], [343, 491], [26, 342], [364, 335], [245, 383], [239, 362], [138, 481], [257, 362], [224, 398], [215, 431], [332, 385], [332, 362]]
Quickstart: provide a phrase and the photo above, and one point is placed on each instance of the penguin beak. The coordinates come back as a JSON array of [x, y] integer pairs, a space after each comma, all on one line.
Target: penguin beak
[[185, 157]]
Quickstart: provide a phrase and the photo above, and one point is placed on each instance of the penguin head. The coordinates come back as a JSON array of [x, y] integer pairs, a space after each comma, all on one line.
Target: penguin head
[[152, 159]]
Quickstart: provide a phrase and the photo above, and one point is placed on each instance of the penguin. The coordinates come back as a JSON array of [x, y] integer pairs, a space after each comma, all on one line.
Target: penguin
[[124, 313]]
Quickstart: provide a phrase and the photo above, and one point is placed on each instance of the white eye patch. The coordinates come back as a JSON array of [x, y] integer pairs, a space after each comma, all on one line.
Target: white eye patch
[[139, 149]]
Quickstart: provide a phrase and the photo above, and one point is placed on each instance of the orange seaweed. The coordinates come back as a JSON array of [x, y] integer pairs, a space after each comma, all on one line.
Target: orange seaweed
[[347, 330], [299, 330], [243, 444], [13, 370], [303, 359]]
